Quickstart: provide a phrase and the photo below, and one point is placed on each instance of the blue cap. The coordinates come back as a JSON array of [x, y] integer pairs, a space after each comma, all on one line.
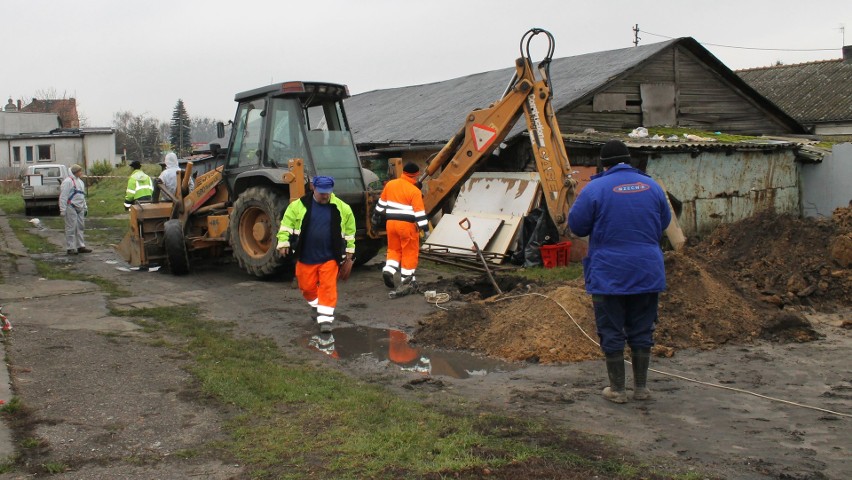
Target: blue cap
[[323, 184]]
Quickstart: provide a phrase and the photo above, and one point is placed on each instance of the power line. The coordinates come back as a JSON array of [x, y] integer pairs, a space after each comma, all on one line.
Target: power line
[[753, 48]]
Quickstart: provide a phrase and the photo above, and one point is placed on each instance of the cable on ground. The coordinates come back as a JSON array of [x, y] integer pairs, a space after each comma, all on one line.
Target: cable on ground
[[681, 377]]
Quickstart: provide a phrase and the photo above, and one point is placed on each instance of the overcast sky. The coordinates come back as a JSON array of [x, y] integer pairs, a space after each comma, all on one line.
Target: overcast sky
[[142, 56]]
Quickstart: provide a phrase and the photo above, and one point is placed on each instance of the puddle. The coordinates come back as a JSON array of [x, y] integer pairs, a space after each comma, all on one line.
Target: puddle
[[347, 343]]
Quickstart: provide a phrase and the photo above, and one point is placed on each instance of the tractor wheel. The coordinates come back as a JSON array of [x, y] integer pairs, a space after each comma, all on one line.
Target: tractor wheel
[[252, 231], [366, 249], [175, 245]]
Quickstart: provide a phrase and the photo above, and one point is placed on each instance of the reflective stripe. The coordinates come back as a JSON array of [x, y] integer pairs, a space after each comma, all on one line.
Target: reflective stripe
[[406, 272], [286, 229], [325, 310], [314, 302], [395, 205], [392, 263]]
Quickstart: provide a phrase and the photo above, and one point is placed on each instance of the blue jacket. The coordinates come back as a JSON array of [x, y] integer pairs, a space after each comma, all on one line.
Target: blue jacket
[[623, 212]]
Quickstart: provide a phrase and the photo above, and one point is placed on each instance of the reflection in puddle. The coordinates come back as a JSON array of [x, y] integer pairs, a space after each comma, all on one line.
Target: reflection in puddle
[[392, 346]]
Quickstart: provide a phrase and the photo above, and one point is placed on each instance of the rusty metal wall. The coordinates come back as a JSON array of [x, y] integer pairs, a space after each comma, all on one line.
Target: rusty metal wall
[[723, 187]]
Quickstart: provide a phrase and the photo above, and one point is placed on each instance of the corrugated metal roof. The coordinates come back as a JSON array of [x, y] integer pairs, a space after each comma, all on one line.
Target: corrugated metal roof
[[809, 92], [434, 112]]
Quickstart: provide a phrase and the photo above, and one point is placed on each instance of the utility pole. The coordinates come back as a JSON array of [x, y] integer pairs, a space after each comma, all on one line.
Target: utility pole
[[636, 36]]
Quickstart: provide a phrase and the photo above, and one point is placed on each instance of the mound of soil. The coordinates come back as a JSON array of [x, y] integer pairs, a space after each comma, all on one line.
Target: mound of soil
[[743, 282], [784, 260], [526, 325]]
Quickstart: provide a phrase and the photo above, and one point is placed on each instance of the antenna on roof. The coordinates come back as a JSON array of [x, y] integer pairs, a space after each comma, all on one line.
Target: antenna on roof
[[636, 36], [843, 33]]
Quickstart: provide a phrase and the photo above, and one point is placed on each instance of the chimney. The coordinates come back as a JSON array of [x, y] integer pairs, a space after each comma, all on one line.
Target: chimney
[[847, 54], [19, 104]]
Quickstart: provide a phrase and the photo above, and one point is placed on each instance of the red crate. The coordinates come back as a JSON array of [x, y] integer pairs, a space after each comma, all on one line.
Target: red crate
[[555, 255]]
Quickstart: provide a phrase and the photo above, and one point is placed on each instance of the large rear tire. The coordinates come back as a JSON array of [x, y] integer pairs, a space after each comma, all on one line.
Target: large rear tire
[[253, 228], [175, 245]]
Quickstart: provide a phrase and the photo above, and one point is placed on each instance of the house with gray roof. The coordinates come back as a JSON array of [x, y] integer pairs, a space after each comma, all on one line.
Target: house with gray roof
[[675, 83], [817, 94]]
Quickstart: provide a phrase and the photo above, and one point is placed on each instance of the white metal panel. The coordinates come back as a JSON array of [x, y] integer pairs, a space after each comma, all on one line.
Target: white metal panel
[[448, 233], [502, 193]]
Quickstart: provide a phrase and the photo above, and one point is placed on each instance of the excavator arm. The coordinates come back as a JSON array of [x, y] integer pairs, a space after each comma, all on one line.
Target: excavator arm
[[485, 129]]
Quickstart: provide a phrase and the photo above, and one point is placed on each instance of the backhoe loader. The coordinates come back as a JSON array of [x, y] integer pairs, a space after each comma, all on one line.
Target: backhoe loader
[[282, 135], [485, 129]]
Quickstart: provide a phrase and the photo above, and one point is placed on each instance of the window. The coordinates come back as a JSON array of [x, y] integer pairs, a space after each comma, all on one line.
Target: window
[[16, 154], [45, 153], [246, 146], [29, 151]]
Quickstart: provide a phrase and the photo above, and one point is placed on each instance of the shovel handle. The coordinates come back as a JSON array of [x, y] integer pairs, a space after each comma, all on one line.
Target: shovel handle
[[465, 224]]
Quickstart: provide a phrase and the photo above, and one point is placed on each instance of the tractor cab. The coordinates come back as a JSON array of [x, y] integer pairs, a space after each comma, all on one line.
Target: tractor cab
[[305, 120]]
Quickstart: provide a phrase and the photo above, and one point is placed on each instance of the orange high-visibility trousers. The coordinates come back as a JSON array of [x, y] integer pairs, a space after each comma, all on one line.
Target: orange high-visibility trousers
[[403, 246], [318, 284]]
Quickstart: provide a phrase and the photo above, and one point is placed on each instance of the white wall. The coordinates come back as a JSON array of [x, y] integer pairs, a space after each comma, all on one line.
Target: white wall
[[827, 185], [98, 147]]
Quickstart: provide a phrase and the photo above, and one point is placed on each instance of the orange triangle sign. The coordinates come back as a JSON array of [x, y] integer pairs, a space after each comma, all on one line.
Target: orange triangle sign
[[482, 136]]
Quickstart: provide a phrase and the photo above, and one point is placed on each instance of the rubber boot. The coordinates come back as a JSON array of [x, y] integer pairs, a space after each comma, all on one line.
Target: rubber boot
[[615, 370], [641, 359]]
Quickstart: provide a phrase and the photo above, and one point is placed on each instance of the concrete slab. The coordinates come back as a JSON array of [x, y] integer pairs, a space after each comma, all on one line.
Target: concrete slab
[[43, 288], [85, 311]]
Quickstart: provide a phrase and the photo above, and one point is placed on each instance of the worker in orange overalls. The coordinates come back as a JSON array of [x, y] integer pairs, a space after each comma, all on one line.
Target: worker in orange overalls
[[401, 204]]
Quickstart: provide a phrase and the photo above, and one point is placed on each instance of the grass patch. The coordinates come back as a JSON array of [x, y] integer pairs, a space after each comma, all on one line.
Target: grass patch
[[556, 274], [12, 407], [12, 203], [297, 420], [52, 272], [54, 467], [106, 197], [32, 242]]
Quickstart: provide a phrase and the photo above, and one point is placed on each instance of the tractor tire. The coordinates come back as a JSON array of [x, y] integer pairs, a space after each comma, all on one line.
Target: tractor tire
[[175, 246], [252, 231], [366, 249]]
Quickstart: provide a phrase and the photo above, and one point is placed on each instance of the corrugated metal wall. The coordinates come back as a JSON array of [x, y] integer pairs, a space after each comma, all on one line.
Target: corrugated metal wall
[[717, 187]]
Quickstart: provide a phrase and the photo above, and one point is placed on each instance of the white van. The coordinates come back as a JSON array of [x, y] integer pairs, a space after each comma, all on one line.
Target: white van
[[41, 186]]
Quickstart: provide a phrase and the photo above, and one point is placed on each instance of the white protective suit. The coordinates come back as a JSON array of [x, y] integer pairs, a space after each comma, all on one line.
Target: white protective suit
[[72, 207], [169, 176]]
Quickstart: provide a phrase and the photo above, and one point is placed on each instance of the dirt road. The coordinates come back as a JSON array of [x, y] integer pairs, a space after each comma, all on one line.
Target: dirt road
[[108, 401]]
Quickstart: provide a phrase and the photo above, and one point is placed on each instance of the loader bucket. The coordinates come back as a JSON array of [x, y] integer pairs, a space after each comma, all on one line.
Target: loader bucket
[[143, 242], [129, 249]]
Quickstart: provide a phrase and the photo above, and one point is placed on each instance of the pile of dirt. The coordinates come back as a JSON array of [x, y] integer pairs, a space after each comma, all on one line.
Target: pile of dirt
[[522, 325], [786, 261], [745, 281], [536, 324]]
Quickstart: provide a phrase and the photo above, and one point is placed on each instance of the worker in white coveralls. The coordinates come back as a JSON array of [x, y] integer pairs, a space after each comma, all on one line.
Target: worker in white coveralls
[[73, 208]]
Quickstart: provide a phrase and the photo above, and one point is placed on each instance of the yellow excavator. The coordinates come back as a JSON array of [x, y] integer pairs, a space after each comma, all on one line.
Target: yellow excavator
[[282, 135]]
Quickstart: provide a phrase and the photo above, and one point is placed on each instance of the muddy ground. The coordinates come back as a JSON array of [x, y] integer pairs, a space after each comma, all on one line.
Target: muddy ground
[[762, 306]]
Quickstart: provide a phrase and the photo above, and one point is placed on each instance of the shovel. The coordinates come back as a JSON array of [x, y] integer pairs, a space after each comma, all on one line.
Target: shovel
[[465, 225]]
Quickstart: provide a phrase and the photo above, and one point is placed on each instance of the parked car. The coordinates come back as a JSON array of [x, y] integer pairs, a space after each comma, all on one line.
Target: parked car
[[40, 188]]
